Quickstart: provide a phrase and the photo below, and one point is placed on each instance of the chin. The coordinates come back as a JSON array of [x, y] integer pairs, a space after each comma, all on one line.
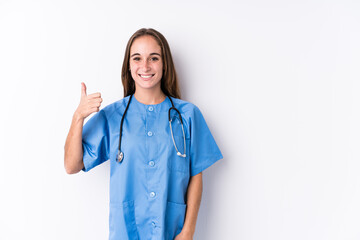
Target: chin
[[147, 84]]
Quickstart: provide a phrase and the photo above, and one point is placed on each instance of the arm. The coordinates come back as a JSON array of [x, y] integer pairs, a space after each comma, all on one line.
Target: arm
[[73, 157], [193, 204], [73, 146]]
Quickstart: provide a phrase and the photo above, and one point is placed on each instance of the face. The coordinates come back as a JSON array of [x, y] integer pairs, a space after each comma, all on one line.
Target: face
[[146, 63]]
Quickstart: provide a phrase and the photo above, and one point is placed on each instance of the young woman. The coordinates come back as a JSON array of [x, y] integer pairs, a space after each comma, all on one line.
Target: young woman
[[158, 145]]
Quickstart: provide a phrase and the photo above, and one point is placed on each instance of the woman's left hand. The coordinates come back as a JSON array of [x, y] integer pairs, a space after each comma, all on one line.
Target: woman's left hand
[[184, 236]]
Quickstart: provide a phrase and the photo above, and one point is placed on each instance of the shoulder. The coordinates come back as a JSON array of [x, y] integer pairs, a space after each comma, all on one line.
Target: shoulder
[[115, 108], [186, 108]]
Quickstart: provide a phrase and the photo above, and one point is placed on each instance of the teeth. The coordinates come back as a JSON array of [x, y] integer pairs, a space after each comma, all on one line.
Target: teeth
[[146, 76]]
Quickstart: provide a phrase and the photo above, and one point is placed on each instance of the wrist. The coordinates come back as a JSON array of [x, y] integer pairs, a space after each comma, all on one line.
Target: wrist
[[77, 117], [188, 231]]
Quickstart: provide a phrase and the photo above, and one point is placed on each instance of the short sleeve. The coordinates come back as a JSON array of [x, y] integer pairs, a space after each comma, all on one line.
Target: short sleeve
[[204, 151], [95, 141]]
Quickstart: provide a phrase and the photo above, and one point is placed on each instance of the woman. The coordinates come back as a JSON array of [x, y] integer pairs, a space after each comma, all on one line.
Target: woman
[[155, 165]]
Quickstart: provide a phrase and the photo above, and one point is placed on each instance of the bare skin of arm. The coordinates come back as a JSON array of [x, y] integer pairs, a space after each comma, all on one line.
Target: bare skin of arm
[[193, 204], [73, 156]]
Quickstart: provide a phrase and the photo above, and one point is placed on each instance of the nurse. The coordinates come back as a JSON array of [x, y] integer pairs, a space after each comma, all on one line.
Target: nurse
[[155, 192]]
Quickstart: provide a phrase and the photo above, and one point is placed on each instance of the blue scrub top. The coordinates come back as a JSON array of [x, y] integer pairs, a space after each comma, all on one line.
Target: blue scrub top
[[148, 188]]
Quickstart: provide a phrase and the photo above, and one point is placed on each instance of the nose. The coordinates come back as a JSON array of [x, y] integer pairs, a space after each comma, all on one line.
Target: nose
[[146, 66]]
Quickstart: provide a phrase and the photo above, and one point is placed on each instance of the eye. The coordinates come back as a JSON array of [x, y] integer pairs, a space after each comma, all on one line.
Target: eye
[[136, 59], [154, 59]]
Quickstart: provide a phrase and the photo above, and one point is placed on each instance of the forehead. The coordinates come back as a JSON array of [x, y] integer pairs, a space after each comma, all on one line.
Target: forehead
[[145, 45]]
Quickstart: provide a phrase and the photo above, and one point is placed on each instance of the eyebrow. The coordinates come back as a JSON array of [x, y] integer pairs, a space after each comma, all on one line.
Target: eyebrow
[[150, 54]]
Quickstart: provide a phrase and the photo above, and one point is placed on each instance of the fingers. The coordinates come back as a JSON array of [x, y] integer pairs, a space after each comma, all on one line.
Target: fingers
[[95, 109], [94, 95], [95, 102]]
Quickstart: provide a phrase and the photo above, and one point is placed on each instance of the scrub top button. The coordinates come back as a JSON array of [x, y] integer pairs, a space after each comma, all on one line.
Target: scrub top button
[[152, 194], [151, 109], [150, 133], [151, 163]]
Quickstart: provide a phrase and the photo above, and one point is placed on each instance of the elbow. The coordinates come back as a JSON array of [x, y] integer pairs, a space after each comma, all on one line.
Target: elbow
[[70, 168], [72, 165]]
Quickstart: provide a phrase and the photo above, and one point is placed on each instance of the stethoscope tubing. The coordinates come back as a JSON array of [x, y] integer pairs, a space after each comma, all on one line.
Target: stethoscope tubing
[[120, 154]]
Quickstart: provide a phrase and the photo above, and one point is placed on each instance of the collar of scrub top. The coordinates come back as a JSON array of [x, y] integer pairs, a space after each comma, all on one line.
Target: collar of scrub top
[[120, 154]]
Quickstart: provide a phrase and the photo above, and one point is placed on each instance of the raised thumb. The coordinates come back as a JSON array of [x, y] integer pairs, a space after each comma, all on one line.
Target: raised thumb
[[83, 90]]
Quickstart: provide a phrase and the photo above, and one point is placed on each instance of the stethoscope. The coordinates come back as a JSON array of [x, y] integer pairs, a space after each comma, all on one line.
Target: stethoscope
[[120, 154]]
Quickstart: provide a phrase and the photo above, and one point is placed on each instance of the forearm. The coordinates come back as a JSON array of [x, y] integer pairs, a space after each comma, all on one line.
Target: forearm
[[194, 193], [73, 162]]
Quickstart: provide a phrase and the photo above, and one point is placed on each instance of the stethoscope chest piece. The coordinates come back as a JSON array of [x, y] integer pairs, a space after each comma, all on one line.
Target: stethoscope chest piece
[[120, 156]]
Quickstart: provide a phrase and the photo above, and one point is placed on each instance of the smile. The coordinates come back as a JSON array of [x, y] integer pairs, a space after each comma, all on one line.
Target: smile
[[147, 76]]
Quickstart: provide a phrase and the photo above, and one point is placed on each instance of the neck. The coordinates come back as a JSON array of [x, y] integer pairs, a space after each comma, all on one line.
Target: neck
[[149, 96]]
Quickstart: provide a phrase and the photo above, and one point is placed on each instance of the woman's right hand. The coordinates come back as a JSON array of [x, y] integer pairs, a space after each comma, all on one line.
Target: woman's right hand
[[88, 103]]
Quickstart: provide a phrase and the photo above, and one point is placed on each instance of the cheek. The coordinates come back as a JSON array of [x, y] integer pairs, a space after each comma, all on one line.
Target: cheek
[[159, 68], [159, 71], [133, 73], [134, 68]]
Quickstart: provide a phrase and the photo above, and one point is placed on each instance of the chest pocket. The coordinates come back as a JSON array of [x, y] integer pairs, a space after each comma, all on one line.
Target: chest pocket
[[179, 163]]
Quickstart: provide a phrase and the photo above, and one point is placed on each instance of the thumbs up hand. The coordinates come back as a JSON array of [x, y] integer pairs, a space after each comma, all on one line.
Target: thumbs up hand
[[88, 103]]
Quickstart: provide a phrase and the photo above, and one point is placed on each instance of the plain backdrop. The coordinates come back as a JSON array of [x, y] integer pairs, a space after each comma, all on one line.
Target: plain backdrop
[[277, 82]]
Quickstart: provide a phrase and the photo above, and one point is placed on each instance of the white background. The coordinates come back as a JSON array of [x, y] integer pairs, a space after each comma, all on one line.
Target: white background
[[277, 82]]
